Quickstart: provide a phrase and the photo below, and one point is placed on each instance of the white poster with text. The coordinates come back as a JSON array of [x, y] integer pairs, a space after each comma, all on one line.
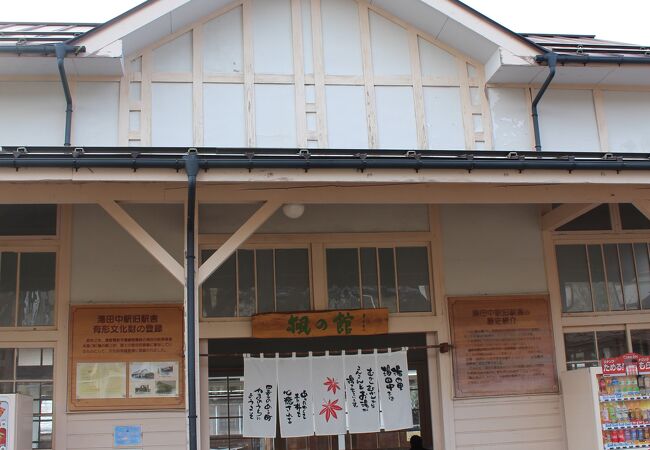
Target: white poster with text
[[362, 393], [394, 393], [296, 408], [260, 397]]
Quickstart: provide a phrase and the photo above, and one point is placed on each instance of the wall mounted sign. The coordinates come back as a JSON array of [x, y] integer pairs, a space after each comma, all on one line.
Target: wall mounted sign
[[349, 322], [126, 357], [125, 436], [502, 346]]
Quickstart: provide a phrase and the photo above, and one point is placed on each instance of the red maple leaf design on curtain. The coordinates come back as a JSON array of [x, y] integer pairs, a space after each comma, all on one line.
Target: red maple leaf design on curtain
[[329, 409], [332, 385]]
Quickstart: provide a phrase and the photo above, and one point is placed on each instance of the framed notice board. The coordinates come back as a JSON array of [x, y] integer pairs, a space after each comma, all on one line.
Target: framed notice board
[[502, 346], [126, 357]]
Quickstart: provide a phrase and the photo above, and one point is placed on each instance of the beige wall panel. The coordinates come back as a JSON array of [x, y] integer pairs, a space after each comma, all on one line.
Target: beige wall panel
[[223, 47], [275, 115], [390, 47], [435, 62], [272, 37], [510, 119], [516, 423], [396, 117], [109, 266], [567, 121], [319, 219], [224, 116], [174, 56], [492, 249], [341, 37], [627, 116], [32, 113], [95, 117], [444, 118], [160, 430], [171, 115], [347, 126]]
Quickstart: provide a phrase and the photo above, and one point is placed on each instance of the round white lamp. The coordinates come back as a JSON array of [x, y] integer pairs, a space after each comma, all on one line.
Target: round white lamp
[[293, 210]]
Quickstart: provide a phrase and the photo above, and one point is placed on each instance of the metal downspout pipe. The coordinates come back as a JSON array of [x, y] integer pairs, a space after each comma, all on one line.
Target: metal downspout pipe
[[60, 51], [551, 58], [192, 169]]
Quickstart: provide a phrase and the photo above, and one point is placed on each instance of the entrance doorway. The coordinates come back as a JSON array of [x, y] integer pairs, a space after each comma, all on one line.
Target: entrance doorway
[[226, 389]]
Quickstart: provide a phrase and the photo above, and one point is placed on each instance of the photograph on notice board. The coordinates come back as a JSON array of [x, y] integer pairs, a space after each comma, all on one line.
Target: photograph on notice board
[[153, 379], [101, 380]]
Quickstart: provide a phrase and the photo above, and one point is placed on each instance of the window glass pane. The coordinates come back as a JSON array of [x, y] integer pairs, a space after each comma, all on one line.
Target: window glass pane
[[29, 365], [614, 287], [598, 287], [643, 273], [219, 290], [640, 341], [8, 278], [246, 263], [387, 278], [611, 343], [6, 388], [6, 363], [369, 278], [580, 348], [36, 297], [632, 218], [630, 292], [574, 278], [292, 280], [413, 279], [343, 278], [596, 219], [27, 220], [265, 284]]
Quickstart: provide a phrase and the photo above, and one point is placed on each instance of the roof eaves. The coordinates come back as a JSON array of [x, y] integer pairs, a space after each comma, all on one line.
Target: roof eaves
[[113, 20]]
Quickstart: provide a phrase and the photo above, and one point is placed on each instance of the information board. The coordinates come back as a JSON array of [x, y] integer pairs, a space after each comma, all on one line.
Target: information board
[[126, 357], [502, 346], [349, 322]]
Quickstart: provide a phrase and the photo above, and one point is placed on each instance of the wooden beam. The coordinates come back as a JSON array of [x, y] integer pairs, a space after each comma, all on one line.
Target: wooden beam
[[237, 239], [643, 206], [565, 214], [140, 234]]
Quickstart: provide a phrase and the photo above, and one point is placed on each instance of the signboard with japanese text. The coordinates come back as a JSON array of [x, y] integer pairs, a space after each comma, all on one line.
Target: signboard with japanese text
[[362, 393], [295, 397], [626, 364], [351, 322], [394, 390], [260, 397], [126, 357], [502, 346]]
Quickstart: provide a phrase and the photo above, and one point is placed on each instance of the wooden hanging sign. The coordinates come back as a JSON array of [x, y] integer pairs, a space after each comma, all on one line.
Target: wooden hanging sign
[[348, 322]]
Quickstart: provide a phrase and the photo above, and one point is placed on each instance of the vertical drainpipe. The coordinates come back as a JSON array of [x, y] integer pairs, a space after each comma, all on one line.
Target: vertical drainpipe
[[551, 59], [60, 50], [192, 169]]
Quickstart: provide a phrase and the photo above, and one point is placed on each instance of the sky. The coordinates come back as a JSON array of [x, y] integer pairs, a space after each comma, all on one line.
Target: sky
[[622, 20]]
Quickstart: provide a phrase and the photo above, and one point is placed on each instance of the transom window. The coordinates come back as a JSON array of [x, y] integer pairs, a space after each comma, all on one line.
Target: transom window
[[29, 371], [258, 281], [396, 278], [587, 348], [604, 277], [27, 294]]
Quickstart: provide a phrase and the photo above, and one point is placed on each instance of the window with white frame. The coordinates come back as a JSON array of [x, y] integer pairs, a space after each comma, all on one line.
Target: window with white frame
[[256, 281], [603, 266], [390, 277], [29, 371]]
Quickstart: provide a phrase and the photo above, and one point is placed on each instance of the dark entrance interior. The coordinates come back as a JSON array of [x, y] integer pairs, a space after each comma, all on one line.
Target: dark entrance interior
[[226, 386]]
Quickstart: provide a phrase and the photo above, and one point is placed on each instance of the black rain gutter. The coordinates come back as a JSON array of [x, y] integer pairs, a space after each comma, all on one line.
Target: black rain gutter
[[60, 50], [552, 63], [192, 169], [553, 59]]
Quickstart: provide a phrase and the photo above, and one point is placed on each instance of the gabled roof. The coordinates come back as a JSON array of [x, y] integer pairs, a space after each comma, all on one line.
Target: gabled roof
[[581, 44]]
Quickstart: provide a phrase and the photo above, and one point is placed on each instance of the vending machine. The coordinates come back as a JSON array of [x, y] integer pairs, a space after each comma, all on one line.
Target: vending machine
[[608, 407], [15, 422]]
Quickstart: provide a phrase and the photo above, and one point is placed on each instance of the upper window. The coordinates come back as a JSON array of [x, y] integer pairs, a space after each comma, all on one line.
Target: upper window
[[27, 220], [396, 278], [27, 294], [604, 277], [258, 281], [606, 217]]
